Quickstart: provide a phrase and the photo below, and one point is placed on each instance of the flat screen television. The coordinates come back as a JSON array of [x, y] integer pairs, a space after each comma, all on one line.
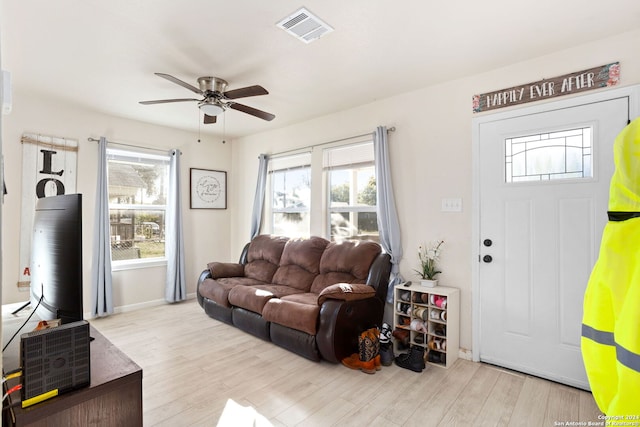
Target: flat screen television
[[56, 258]]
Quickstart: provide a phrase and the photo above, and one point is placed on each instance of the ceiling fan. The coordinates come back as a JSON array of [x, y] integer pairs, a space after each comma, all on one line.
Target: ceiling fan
[[215, 100]]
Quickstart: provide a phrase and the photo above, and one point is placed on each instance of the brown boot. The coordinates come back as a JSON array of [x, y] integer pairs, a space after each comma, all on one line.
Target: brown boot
[[377, 363], [353, 362], [368, 367], [374, 333], [369, 350]]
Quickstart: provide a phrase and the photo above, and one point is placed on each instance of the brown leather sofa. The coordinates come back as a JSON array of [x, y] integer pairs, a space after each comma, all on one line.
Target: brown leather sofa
[[310, 296]]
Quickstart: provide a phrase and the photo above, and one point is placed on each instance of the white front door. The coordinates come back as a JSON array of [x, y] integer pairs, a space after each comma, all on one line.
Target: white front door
[[540, 226]]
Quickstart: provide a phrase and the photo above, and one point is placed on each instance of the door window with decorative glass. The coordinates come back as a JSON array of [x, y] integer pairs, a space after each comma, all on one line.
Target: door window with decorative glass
[[561, 155], [137, 204]]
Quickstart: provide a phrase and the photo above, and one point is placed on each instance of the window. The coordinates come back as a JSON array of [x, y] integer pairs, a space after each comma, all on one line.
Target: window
[[352, 199], [137, 203], [328, 192], [290, 190], [546, 156]]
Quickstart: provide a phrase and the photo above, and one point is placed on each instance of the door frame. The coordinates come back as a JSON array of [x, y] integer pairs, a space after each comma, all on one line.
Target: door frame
[[630, 92]]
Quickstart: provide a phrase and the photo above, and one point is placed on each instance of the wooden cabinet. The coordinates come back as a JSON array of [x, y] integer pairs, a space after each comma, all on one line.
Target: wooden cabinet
[[431, 316]]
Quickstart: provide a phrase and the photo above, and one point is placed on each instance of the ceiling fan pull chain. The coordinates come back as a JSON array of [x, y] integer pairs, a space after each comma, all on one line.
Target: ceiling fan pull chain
[[199, 126], [224, 128]]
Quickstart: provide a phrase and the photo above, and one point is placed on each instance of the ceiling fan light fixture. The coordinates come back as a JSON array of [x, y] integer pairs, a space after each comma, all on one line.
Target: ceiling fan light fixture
[[211, 109], [216, 99]]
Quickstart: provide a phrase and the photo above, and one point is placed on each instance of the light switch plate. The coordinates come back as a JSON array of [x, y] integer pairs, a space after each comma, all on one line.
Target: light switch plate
[[452, 205]]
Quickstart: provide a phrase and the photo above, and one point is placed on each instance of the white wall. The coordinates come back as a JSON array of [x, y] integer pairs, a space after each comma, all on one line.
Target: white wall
[[430, 153], [206, 231]]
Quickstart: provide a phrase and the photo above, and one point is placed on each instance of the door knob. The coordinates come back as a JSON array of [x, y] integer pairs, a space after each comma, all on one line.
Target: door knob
[[487, 258], [487, 242]]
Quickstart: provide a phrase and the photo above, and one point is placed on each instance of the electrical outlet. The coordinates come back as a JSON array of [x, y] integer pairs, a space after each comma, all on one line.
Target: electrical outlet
[[452, 205]]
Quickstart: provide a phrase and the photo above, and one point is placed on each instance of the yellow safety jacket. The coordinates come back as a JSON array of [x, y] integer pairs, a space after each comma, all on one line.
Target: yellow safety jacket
[[611, 320]]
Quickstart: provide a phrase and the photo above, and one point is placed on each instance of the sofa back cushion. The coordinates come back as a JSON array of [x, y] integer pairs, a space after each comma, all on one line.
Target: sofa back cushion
[[345, 262], [263, 257], [300, 263]]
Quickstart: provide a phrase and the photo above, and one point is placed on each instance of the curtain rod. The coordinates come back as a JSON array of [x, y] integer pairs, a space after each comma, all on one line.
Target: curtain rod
[[391, 129], [131, 145]]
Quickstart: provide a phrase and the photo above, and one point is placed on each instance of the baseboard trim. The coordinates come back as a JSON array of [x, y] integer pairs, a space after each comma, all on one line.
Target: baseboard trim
[[465, 354], [139, 306]]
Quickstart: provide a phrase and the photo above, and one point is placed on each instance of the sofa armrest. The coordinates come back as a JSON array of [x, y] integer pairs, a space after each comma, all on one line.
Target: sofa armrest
[[225, 269], [216, 270], [206, 274], [341, 322], [244, 254], [346, 292], [379, 273]]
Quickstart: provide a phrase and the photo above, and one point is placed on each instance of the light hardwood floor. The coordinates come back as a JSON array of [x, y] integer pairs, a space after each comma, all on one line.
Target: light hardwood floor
[[192, 364]]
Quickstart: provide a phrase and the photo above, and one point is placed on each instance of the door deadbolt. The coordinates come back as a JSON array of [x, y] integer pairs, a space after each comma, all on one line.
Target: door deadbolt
[[487, 242]]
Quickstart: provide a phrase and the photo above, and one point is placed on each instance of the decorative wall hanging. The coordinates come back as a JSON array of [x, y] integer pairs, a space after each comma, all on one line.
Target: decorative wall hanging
[[208, 189], [580, 81], [48, 169]]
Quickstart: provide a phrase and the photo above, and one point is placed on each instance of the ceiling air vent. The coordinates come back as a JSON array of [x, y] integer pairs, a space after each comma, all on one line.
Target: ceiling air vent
[[305, 26]]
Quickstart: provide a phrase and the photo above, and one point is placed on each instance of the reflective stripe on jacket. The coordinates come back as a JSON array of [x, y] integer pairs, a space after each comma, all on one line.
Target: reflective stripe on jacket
[[611, 321]]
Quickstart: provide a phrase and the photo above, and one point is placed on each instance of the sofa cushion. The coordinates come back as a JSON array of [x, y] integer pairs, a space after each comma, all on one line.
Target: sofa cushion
[[297, 311], [254, 298], [225, 269], [346, 262], [300, 263], [263, 257], [218, 289], [346, 292], [302, 298]]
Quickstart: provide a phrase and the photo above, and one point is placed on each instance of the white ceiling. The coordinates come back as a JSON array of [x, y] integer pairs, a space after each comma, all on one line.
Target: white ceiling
[[102, 54]]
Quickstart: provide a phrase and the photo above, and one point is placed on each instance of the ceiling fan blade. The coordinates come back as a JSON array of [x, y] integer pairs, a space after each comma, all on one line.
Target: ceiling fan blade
[[180, 82], [209, 119], [253, 111], [243, 92], [164, 101]]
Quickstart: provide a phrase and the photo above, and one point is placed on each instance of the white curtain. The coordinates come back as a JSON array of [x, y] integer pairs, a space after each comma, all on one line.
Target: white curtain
[[101, 267], [388, 224], [176, 286], [258, 200]]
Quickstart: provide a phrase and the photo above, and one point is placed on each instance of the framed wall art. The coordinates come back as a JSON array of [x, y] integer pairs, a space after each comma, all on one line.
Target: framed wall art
[[208, 189]]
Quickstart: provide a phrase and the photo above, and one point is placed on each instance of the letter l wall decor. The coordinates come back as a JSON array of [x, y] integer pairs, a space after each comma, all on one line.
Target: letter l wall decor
[[48, 169]]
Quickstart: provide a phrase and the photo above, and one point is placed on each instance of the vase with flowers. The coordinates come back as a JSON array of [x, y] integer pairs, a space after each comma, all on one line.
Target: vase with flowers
[[429, 257]]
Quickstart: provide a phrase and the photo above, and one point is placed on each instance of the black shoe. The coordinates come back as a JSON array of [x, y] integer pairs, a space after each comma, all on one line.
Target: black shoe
[[414, 360], [402, 357], [386, 354], [435, 357], [440, 330]]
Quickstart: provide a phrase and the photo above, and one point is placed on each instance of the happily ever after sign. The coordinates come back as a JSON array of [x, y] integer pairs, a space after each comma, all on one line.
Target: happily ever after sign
[[580, 81]]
